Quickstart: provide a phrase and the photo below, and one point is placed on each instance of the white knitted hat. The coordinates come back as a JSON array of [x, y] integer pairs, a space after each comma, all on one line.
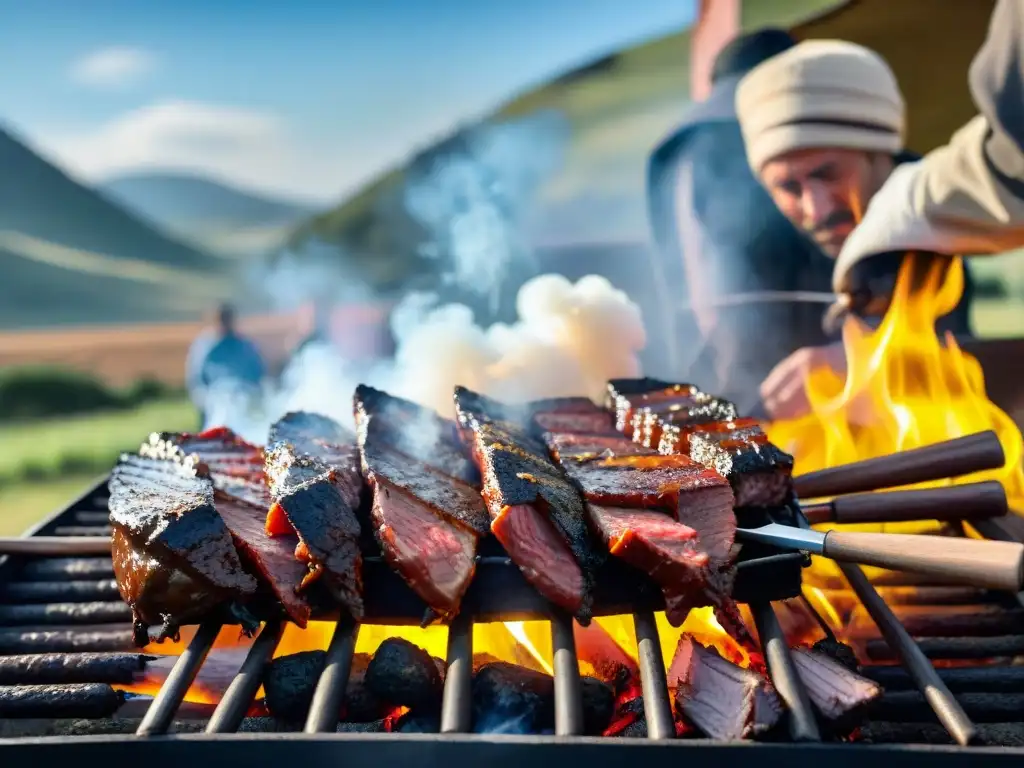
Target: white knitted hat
[[820, 93]]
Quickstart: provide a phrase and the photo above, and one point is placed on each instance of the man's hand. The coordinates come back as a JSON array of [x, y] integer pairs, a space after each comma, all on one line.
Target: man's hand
[[784, 392]]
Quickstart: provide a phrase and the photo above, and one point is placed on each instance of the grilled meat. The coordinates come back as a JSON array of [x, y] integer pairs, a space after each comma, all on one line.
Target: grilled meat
[[665, 549], [174, 558], [242, 498], [316, 487], [271, 559], [224, 452], [417, 432], [696, 496], [641, 406], [536, 513], [760, 473], [426, 522], [722, 699], [571, 414], [574, 446]]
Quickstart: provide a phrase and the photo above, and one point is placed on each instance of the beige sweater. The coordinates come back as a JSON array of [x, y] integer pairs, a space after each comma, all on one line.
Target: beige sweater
[[967, 197]]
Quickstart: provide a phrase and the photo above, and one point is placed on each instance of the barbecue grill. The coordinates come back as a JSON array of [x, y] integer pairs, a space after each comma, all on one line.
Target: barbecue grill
[[70, 606]]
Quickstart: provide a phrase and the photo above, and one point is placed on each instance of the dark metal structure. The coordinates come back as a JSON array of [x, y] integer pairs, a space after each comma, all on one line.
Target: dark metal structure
[[70, 606]]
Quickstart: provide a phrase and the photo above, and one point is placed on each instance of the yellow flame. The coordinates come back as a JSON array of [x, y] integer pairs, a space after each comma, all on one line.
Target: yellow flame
[[904, 388]]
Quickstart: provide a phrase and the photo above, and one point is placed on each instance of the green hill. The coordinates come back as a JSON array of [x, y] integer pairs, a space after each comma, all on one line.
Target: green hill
[[618, 108], [210, 214], [70, 256]]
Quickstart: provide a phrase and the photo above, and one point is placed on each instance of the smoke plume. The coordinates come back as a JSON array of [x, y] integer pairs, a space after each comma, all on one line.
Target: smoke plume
[[474, 197]]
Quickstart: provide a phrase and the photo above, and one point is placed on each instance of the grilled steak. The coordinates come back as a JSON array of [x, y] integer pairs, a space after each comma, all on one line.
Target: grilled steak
[[760, 473], [224, 452], [572, 414], [426, 522], [416, 432], [642, 406], [316, 485], [243, 499], [666, 550], [174, 558], [271, 559], [536, 513], [575, 446]]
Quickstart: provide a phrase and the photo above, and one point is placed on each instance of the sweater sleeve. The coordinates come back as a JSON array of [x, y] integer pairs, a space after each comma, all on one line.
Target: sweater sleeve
[[967, 197]]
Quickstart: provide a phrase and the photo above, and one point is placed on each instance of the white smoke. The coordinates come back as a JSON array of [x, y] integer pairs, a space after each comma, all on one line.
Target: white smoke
[[474, 197]]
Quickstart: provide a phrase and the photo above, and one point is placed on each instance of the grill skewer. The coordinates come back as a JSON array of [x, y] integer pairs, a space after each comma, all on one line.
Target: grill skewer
[[939, 697]]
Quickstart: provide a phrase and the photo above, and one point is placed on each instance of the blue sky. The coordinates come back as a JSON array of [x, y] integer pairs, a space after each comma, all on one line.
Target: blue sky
[[306, 97]]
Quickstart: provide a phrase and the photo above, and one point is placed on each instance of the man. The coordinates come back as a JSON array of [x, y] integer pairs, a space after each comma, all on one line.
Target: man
[[720, 235], [823, 125], [967, 197], [221, 358]]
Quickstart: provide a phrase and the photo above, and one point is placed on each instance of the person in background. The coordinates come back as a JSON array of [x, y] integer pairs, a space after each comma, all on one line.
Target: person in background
[[320, 333], [220, 356], [823, 126], [967, 197], [720, 235]]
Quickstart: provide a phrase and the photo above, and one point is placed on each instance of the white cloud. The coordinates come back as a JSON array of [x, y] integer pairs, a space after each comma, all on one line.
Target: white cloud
[[112, 67], [247, 147]]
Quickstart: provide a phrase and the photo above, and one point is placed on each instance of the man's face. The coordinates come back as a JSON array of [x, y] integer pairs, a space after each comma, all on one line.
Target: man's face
[[822, 191]]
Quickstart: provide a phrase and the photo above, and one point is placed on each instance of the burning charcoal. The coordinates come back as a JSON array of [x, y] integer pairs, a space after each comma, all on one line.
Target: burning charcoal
[[289, 682], [361, 705], [511, 699], [839, 652], [403, 674], [598, 704], [74, 700], [412, 722], [722, 699], [508, 698], [374, 726], [837, 693]]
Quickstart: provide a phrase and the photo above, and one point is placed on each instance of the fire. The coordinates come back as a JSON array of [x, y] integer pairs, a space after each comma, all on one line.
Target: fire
[[607, 642], [904, 388]]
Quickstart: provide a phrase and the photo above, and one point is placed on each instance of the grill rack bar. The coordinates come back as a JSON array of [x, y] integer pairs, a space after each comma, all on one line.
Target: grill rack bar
[[456, 701], [238, 697], [329, 694]]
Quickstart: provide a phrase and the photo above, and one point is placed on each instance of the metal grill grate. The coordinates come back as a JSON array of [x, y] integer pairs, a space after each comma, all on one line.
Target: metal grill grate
[[981, 711]]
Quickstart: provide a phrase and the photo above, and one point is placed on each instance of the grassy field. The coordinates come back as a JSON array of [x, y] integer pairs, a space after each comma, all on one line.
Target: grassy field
[[44, 464]]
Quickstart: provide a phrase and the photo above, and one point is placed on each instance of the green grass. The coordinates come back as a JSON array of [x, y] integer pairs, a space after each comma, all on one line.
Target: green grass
[[45, 449], [22, 505]]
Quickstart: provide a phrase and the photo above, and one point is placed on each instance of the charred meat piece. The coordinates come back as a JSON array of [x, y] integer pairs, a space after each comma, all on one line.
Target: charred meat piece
[[665, 550], [536, 513], [761, 474], [838, 693], [414, 431], [426, 522], [643, 406], [314, 501], [224, 452], [722, 699], [243, 499], [696, 496], [571, 414], [272, 559], [174, 558], [572, 446]]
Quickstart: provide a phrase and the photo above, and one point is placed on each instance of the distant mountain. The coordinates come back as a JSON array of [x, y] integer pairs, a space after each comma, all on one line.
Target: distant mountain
[[204, 212], [70, 256]]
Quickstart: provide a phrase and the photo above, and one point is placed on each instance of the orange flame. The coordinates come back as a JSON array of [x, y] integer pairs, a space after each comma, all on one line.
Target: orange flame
[[903, 388]]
